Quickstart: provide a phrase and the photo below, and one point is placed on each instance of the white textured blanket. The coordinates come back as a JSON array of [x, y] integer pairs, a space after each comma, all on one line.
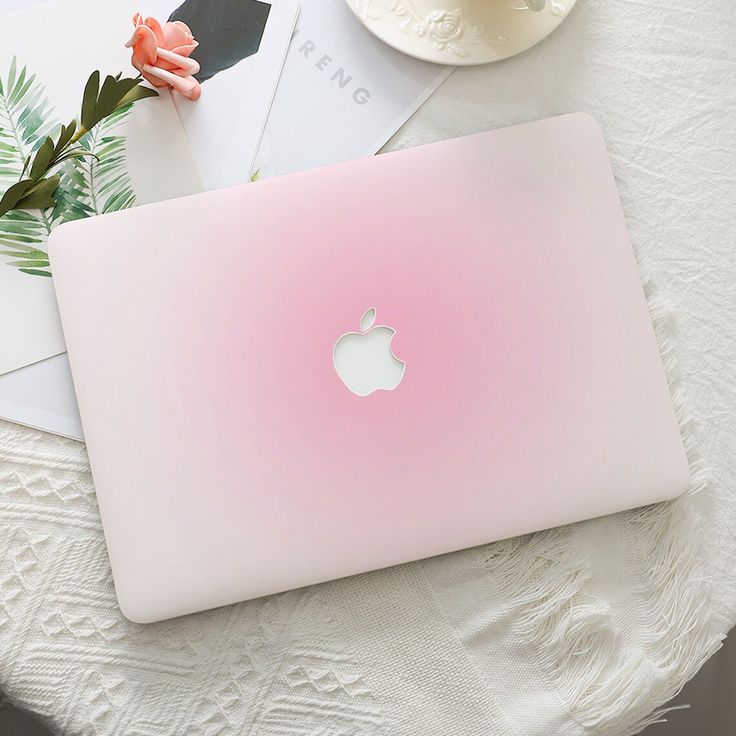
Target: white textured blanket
[[582, 630]]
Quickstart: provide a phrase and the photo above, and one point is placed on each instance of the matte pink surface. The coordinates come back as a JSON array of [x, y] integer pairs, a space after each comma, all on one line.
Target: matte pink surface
[[230, 459]]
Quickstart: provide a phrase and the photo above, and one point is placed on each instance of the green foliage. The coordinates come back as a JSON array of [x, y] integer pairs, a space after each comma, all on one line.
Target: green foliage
[[25, 119], [116, 92], [90, 162], [98, 103], [99, 183], [22, 240]]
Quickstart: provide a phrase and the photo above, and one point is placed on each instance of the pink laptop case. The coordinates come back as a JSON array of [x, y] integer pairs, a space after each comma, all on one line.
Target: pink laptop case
[[230, 459]]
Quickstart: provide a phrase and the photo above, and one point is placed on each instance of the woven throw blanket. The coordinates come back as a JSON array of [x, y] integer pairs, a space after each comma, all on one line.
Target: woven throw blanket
[[584, 629], [587, 629]]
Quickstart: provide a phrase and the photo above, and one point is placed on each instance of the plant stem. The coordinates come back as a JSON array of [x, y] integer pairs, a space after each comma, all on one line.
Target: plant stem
[[76, 137], [46, 221], [91, 164], [21, 153], [16, 133]]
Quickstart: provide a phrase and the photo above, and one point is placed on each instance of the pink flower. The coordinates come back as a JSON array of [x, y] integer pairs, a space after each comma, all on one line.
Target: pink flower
[[161, 55]]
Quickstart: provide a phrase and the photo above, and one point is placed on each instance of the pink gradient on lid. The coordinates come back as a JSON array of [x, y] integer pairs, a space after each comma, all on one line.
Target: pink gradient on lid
[[533, 393]]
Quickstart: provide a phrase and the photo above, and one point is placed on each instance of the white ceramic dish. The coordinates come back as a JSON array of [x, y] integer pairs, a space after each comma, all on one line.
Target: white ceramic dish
[[460, 32]]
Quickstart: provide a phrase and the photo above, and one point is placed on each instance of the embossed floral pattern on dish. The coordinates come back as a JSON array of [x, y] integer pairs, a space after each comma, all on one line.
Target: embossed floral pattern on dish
[[447, 30]]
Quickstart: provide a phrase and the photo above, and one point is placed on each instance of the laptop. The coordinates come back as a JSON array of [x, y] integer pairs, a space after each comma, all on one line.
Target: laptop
[[349, 368]]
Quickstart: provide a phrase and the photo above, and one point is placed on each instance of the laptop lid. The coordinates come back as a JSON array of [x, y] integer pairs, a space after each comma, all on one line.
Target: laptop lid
[[348, 368]]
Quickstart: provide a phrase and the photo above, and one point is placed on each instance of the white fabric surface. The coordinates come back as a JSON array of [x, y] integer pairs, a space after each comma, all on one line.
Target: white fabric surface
[[581, 630], [660, 77]]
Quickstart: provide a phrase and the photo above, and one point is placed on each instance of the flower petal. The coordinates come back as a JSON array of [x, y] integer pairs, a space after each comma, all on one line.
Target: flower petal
[[185, 28], [144, 46], [155, 26], [195, 92], [155, 81], [176, 34], [181, 65], [185, 50], [187, 86]]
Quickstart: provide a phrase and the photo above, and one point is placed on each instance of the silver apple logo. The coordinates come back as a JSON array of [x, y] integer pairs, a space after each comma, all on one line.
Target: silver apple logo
[[364, 360]]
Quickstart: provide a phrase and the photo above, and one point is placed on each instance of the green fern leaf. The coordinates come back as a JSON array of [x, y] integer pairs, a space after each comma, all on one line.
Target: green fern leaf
[[71, 197], [23, 235], [93, 177], [100, 180], [26, 118], [35, 272]]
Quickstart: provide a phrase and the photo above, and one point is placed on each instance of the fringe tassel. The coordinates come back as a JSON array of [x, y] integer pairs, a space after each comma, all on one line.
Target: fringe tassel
[[572, 636], [665, 547]]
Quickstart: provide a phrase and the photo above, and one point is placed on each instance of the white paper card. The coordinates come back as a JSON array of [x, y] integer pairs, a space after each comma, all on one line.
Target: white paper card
[[35, 49], [42, 396], [343, 93], [225, 126]]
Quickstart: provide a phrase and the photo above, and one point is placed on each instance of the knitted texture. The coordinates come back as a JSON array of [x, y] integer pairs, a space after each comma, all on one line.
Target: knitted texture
[[597, 624]]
